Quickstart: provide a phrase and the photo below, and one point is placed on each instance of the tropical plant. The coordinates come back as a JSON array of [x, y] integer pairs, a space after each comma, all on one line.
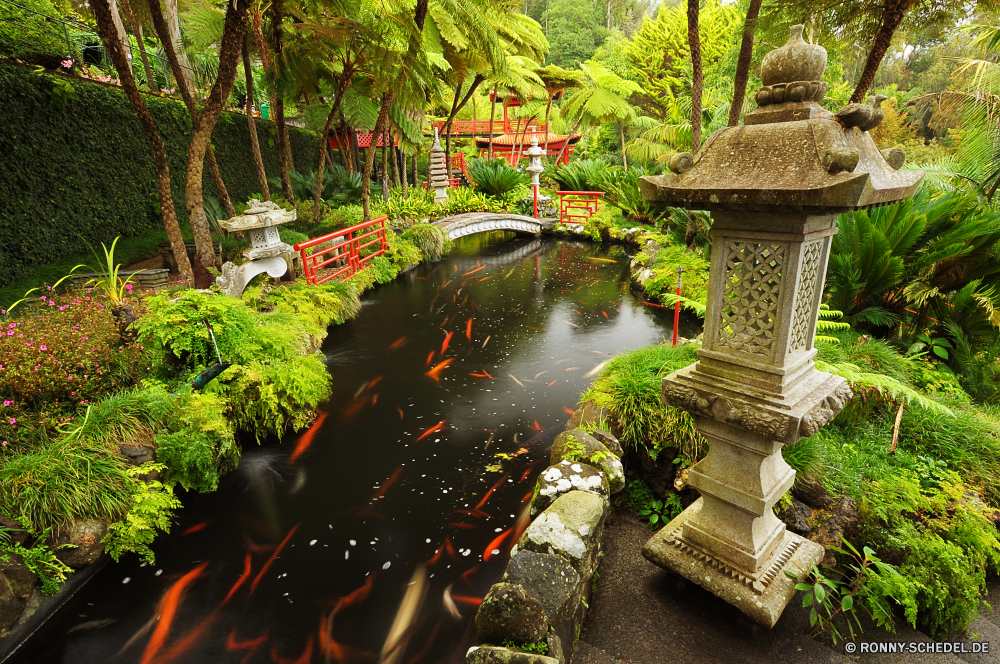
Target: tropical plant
[[114, 288], [580, 175], [495, 177], [603, 99], [621, 189]]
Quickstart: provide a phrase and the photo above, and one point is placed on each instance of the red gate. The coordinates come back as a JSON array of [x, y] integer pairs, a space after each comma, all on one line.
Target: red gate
[[345, 258]]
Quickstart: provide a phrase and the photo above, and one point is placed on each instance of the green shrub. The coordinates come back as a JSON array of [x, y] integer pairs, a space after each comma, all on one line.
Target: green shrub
[[496, 177], [41, 560], [433, 242], [580, 175], [152, 510], [292, 238], [62, 480], [629, 386], [621, 189], [198, 447], [694, 281]]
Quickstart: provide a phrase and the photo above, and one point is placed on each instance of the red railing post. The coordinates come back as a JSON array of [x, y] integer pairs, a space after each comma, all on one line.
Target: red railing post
[[354, 240], [677, 304]]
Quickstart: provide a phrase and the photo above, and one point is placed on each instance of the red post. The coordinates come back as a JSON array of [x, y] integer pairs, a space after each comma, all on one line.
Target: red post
[[677, 305], [535, 188]]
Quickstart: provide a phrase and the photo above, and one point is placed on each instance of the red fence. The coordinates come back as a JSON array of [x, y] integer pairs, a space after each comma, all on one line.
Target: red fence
[[576, 207], [500, 126], [346, 257]]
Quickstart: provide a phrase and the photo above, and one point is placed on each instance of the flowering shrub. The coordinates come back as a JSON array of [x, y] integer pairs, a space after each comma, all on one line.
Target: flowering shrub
[[66, 353]]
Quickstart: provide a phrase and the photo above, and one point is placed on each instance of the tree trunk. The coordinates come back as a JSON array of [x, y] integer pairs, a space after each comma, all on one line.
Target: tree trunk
[[105, 25], [548, 106], [743, 63], [416, 180], [232, 46], [120, 32], [566, 142], [402, 174], [493, 112], [345, 82], [694, 41], [895, 11], [384, 179], [174, 30], [220, 185], [457, 105], [265, 192], [137, 31], [621, 132], [284, 154], [394, 158], [366, 178], [691, 232]]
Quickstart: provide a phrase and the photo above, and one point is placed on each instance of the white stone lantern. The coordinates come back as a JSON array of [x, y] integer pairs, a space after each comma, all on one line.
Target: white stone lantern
[[534, 154], [266, 253], [438, 170]]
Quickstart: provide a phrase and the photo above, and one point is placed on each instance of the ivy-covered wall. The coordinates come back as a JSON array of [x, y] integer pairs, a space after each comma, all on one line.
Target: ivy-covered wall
[[75, 163]]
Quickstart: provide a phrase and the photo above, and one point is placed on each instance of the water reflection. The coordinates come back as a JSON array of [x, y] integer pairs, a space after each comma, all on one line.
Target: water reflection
[[373, 535]]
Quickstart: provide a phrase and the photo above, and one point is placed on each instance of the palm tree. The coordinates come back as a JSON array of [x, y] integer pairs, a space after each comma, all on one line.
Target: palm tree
[[743, 62], [265, 192], [555, 79], [697, 77], [603, 99]]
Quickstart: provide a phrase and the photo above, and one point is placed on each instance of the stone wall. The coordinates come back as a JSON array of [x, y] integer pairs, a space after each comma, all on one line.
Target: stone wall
[[543, 595]]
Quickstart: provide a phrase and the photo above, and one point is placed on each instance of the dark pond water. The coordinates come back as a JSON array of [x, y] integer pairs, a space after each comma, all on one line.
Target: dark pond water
[[416, 473]]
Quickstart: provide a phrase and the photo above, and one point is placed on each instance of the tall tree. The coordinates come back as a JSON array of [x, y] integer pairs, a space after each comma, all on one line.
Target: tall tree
[[892, 15], [743, 63], [174, 30], [103, 14], [187, 94], [265, 192], [697, 77], [284, 151], [555, 79], [137, 31], [230, 51], [603, 99]]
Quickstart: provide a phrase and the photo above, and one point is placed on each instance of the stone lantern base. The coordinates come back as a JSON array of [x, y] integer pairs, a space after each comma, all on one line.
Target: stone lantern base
[[761, 596]]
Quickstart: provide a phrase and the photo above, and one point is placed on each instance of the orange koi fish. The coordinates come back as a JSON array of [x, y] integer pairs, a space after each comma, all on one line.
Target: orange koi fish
[[437, 427], [605, 313], [653, 304], [438, 368], [468, 329], [481, 267], [441, 549], [429, 358], [270, 561], [195, 528], [167, 610], [380, 493], [239, 581], [535, 427], [495, 545], [355, 596], [375, 381], [462, 599], [485, 374], [447, 340], [305, 440], [490, 492], [568, 411], [183, 644], [397, 343], [528, 469], [551, 384], [232, 645], [375, 398], [578, 312], [465, 526], [527, 496], [466, 574], [400, 412]]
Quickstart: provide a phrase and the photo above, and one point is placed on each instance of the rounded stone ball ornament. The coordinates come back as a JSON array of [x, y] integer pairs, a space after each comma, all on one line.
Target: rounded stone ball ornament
[[797, 60]]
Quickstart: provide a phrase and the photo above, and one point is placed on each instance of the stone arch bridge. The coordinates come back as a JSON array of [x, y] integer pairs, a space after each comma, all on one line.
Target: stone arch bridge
[[470, 223]]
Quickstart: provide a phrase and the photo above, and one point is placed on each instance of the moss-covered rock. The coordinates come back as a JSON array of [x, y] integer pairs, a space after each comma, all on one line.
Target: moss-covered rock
[[566, 476], [579, 446], [508, 613]]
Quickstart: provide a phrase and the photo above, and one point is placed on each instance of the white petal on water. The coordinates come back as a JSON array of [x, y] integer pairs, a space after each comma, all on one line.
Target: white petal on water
[[428, 540], [386, 566], [495, 552], [313, 542], [467, 552], [158, 572], [126, 579], [498, 530], [353, 542], [347, 554]]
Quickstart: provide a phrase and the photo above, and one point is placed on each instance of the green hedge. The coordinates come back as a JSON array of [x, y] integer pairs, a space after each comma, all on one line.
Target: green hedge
[[79, 165]]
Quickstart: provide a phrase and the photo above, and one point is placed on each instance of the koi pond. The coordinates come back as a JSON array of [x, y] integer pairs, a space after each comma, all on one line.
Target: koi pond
[[373, 535]]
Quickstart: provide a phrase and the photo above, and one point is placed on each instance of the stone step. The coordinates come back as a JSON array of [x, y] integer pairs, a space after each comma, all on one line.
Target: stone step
[[983, 630]]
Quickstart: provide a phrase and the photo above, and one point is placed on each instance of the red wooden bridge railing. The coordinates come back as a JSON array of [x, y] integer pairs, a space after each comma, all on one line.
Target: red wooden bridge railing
[[357, 246], [576, 207]]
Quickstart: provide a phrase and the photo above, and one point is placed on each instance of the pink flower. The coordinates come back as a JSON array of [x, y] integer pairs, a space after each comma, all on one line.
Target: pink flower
[[13, 420], [10, 333], [51, 303], [68, 64], [71, 378], [5, 443], [13, 325], [43, 347], [7, 403], [43, 298]]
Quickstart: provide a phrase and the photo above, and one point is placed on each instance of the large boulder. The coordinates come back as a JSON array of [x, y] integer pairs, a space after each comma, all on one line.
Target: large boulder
[[590, 414], [556, 585], [610, 441], [578, 445], [509, 613], [562, 478], [85, 536], [498, 655], [21, 580], [138, 454], [811, 491], [796, 516], [833, 524], [571, 527]]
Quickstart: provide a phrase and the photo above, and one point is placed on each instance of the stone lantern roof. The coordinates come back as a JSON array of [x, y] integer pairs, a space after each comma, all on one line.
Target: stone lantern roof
[[791, 155]]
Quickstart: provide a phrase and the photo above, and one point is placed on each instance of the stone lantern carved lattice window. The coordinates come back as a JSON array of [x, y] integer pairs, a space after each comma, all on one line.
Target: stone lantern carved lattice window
[[752, 286]]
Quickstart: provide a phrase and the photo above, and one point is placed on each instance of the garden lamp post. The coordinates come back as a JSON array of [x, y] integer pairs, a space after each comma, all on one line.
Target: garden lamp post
[[267, 253], [438, 170], [534, 154], [775, 187]]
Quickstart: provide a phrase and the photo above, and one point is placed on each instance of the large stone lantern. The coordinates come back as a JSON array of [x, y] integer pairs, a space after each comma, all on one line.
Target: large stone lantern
[[775, 187], [267, 252], [534, 155]]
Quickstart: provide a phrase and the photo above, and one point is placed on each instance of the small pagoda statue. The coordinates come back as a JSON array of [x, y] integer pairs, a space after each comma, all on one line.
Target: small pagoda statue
[[775, 187], [267, 253], [438, 170]]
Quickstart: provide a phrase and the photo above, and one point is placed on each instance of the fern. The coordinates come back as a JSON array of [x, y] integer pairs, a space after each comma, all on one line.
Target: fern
[[884, 385], [152, 510]]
